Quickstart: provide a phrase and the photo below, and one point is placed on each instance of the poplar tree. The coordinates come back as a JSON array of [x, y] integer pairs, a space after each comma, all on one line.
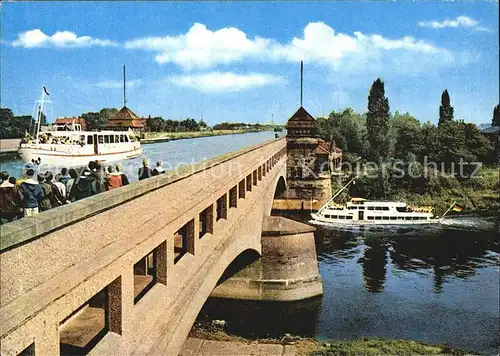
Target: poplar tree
[[445, 110], [496, 116], [377, 121]]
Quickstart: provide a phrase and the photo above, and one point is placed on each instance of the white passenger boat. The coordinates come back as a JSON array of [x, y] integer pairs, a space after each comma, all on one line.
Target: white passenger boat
[[360, 211], [68, 145]]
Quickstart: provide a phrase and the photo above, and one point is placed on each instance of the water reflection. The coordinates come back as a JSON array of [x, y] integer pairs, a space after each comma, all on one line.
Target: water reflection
[[402, 282], [443, 251], [452, 253], [374, 263]]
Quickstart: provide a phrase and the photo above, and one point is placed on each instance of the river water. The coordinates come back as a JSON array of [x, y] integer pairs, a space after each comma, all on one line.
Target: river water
[[172, 153], [437, 284]]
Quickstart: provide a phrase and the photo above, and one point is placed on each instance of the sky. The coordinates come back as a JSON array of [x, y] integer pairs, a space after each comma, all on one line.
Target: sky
[[240, 61]]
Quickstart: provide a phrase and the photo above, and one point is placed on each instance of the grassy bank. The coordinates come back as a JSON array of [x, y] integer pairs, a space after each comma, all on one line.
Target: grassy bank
[[309, 346], [477, 194], [153, 136]]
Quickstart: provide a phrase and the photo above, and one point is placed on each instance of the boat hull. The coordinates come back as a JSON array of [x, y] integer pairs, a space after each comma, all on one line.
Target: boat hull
[[67, 159], [316, 218]]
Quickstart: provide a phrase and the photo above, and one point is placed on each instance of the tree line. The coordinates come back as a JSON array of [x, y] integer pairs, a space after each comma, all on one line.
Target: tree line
[[12, 126], [16, 126], [380, 136]]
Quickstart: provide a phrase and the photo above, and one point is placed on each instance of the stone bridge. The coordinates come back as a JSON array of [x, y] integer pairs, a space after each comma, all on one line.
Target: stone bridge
[[127, 271]]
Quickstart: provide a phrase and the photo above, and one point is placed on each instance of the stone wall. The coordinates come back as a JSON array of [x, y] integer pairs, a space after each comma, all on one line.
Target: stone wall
[[287, 271], [307, 177]]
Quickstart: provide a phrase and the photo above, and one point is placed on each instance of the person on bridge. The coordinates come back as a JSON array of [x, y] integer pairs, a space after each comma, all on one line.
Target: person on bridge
[[70, 182], [159, 169], [145, 171], [83, 187], [119, 169], [58, 182], [114, 179], [31, 193], [64, 176], [10, 200], [45, 203], [99, 175], [57, 198]]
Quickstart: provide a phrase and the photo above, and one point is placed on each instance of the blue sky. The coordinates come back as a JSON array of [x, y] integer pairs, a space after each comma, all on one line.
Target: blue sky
[[230, 61]]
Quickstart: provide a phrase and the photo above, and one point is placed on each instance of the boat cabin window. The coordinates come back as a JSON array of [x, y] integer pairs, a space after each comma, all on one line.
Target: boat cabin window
[[371, 208], [370, 217], [106, 138], [341, 217], [378, 218], [385, 218], [117, 138], [393, 217], [328, 216], [111, 138], [349, 217], [100, 139], [352, 207], [90, 140]]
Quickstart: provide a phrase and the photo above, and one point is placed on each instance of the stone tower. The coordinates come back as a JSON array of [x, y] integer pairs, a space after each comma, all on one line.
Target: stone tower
[[308, 173]]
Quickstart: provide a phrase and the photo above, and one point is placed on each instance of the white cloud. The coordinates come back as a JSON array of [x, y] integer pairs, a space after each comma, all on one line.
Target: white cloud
[[37, 38], [460, 21], [117, 84], [321, 44], [225, 81], [200, 47]]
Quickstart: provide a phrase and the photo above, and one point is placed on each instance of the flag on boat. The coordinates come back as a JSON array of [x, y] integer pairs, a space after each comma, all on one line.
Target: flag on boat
[[458, 208], [45, 90]]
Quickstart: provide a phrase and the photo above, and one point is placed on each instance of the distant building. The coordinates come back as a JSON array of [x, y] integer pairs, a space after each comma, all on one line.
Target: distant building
[[308, 165], [70, 120], [125, 119]]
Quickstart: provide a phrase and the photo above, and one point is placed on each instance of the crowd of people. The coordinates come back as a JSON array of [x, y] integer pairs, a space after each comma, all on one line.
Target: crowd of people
[[35, 193]]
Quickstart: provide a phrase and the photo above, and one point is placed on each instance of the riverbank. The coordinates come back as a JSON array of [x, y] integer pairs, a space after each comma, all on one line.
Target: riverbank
[[211, 339], [152, 137]]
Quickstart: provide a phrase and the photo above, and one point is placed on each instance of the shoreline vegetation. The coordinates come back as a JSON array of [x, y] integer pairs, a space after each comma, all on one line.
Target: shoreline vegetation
[[310, 346], [404, 159]]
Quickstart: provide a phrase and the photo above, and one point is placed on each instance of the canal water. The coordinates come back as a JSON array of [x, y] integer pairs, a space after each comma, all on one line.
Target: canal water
[[436, 284], [172, 153]]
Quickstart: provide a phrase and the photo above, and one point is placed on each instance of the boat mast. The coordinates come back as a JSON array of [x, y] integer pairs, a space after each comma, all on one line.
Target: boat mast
[[447, 211], [336, 194], [124, 92], [40, 112]]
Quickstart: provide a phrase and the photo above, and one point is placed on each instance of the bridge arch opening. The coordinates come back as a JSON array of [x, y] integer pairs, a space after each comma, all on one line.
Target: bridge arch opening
[[243, 260], [280, 190]]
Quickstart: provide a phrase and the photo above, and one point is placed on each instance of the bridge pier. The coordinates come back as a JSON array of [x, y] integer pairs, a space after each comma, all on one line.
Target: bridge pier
[[287, 271]]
